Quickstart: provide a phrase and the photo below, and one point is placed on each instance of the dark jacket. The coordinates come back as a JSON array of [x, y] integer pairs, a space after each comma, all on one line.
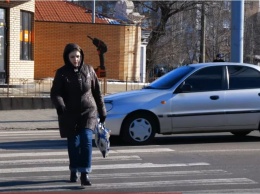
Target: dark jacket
[[77, 96]]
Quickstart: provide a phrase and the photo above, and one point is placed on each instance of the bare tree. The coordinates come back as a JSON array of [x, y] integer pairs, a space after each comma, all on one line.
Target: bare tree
[[218, 29], [165, 10], [252, 34], [175, 28], [180, 44]]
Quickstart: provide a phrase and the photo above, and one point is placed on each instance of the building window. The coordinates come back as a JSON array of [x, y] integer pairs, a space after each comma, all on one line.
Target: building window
[[26, 51]]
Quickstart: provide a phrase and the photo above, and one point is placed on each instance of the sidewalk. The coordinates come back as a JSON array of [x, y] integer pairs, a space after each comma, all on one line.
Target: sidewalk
[[47, 118], [28, 119]]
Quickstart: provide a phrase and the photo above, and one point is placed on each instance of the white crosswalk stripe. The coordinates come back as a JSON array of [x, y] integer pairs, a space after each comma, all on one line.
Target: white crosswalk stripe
[[64, 160], [112, 186], [95, 152], [98, 167], [132, 175], [48, 169]]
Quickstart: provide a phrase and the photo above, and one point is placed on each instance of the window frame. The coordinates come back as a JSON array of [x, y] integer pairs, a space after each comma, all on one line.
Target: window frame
[[241, 86], [26, 35], [208, 89]]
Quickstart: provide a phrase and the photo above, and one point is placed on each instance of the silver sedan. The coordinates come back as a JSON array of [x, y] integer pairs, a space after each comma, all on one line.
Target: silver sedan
[[197, 98]]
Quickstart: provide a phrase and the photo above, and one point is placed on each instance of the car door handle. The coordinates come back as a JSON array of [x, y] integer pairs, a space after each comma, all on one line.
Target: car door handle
[[214, 97]]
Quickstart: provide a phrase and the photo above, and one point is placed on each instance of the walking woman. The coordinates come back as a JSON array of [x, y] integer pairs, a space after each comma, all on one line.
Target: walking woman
[[77, 97]]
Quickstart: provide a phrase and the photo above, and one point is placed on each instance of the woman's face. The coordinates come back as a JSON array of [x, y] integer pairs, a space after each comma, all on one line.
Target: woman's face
[[75, 58]]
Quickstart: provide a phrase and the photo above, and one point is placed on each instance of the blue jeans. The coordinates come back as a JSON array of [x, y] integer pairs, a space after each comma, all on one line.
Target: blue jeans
[[80, 151]]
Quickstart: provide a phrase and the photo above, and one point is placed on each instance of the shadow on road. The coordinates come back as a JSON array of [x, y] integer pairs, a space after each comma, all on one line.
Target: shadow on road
[[117, 142], [34, 144], [204, 139], [193, 139], [16, 184]]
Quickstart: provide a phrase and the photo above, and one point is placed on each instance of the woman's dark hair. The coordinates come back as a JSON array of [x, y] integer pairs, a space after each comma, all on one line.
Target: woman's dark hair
[[70, 48]]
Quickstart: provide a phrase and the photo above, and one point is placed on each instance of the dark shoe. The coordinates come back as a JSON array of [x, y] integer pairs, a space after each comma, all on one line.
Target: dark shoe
[[84, 179], [73, 177]]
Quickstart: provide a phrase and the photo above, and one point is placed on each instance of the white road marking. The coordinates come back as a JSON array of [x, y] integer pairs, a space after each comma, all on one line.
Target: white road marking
[[224, 150], [27, 132], [226, 191], [33, 154], [62, 153], [133, 175], [4, 133], [148, 184], [197, 182], [157, 150], [100, 167], [65, 160]]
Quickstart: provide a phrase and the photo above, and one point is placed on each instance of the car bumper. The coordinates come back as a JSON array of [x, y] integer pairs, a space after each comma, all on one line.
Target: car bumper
[[113, 123]]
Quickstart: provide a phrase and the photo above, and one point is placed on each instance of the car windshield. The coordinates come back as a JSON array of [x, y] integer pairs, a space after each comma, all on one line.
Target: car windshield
[[170, 79]]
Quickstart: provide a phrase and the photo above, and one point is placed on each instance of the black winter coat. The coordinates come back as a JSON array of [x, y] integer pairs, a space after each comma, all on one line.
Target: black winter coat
[[77, 97]]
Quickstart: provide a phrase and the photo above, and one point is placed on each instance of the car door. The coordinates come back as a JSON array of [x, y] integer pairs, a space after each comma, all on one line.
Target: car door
[[243, 97], [202, 108]]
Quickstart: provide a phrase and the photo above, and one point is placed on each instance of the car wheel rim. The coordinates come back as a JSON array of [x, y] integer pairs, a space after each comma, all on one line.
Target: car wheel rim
[[140, 130]]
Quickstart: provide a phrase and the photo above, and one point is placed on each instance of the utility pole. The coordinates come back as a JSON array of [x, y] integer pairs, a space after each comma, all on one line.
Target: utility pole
[[237, 31], [202, 34], [93, 11]]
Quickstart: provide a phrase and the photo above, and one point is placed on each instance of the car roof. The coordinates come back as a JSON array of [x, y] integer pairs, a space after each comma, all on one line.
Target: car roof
[[200, 65]]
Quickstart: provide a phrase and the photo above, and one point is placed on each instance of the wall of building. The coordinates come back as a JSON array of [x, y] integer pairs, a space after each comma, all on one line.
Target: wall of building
[[18, 68], [122, 59]]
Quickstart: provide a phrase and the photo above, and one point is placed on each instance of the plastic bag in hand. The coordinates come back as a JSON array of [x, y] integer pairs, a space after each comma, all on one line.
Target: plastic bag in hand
[[102, 135]]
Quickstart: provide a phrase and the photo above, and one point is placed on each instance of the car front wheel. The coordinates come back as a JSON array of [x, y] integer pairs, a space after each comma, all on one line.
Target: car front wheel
[[138, 129]]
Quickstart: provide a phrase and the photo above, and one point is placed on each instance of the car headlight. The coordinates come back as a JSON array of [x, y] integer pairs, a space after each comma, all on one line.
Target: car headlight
[[108, 105]]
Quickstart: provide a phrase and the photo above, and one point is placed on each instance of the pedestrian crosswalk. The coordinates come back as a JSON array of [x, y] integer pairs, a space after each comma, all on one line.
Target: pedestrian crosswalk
[[27, 167]]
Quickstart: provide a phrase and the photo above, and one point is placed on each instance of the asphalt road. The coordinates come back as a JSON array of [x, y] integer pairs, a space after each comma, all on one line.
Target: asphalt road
[[36, 160]]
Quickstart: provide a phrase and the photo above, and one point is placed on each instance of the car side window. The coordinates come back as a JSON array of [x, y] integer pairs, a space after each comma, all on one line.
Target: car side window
[[206, 79], [243, 78]]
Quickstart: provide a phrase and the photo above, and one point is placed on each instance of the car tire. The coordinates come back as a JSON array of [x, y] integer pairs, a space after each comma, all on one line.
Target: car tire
[[241, 133], [138, 129]]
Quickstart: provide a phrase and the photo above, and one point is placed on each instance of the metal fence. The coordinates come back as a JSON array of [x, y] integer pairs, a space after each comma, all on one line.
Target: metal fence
[[23, 87]]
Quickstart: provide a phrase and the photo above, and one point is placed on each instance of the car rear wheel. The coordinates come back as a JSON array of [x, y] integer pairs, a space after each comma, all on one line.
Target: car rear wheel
[[240, 133], [138, 129]]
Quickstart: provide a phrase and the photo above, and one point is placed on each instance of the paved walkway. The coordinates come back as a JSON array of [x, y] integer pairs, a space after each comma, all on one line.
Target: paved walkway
[[28, 119]]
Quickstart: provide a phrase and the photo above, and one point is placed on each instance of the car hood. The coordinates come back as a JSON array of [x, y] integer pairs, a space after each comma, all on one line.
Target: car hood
[[135, 95], [153, 100]]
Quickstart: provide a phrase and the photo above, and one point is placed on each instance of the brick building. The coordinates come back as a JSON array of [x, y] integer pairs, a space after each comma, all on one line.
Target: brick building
[[34, 33], [16, 39]]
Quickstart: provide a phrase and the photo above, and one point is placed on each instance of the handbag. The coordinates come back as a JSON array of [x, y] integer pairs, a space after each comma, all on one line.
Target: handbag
[[102, 135]]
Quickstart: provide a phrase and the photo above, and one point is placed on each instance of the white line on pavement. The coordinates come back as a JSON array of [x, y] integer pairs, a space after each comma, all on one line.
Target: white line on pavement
[[99, 167], [148, 184], [224, 150], [127, 151], [133, 175], [27, 132], [226, 181], [65, 160]]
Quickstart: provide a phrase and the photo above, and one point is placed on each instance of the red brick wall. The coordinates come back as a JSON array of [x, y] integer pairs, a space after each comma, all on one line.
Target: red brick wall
[[122, 42]]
